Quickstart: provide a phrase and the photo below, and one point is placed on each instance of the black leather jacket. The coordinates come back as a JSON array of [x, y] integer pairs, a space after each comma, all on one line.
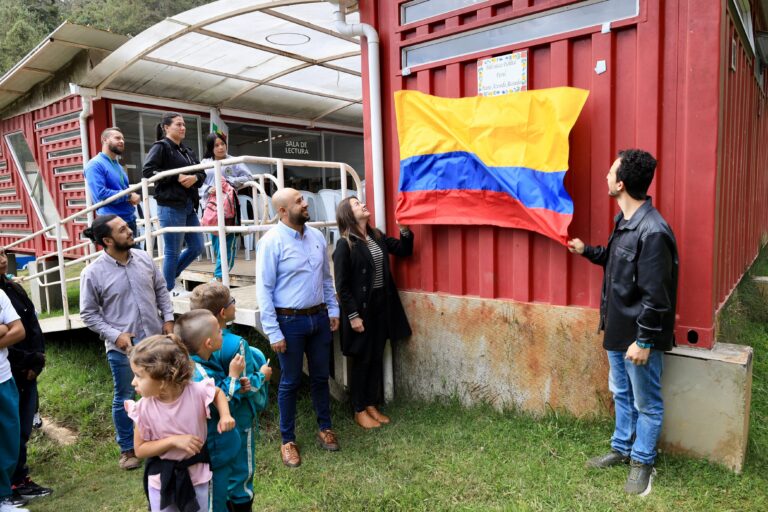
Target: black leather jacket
[[640, 282]]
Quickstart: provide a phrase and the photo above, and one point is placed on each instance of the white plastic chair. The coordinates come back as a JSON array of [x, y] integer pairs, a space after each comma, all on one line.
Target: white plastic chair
[[316, 212], [244, 216]]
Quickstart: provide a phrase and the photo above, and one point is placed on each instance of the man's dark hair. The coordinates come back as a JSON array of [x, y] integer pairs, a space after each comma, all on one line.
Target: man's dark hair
[[636, 172], [100, 229]]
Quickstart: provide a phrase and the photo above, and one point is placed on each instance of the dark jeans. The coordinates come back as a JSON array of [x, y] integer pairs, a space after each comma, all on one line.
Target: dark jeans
[[27, 408], [310, 334]]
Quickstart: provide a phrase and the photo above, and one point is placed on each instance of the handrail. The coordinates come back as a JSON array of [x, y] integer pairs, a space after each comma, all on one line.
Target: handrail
[[257, 186]]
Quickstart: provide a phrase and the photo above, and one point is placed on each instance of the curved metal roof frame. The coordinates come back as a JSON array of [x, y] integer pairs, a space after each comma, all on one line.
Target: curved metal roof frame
[[276, 58]]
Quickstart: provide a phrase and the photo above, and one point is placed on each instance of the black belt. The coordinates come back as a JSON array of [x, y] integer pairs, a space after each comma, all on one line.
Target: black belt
[[305, 312]]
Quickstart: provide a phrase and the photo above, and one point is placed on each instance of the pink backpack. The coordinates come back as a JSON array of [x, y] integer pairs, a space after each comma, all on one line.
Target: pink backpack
[[210, 217]]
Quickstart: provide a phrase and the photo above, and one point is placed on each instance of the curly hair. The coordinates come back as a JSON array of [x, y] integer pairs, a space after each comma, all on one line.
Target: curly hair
[[636, 171], [163, 358]]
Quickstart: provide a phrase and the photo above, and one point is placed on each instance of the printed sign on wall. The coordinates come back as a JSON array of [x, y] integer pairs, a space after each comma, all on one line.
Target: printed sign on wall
[[503, 74]]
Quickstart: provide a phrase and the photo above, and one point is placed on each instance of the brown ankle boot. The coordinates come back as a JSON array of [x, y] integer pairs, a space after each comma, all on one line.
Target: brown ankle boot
[[374, 413], [364, 420]]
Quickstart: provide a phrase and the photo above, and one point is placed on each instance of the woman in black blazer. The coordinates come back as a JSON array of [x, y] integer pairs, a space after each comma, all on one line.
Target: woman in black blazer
[[371, 311]]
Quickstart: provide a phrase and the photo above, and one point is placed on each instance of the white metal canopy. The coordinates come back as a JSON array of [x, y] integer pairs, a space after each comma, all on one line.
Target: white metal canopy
[[271, 57]]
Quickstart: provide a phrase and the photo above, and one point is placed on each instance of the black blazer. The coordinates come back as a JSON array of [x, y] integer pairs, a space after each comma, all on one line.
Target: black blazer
[[354, 269]]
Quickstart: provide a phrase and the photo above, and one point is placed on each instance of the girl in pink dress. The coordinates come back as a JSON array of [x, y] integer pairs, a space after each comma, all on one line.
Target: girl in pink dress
[[170, 421]]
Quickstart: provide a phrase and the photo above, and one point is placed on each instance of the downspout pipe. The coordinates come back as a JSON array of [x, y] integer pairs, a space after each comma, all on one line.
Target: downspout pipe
[[374, 97], [377, 148], [85, 113], [86, 95]]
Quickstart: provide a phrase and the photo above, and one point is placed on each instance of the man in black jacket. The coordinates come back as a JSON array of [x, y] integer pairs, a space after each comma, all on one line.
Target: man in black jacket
[[637, 315], [27, 359]]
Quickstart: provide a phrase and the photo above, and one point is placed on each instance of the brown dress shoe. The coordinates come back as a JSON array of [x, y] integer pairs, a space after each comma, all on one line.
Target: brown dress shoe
[[128, 460], [327, 440], [365, 420], [290, 453], [374, 413]]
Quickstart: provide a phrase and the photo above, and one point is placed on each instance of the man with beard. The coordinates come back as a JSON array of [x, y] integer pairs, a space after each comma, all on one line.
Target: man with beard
[[298, 310], [123, 298], [637, 314], [105, 177]]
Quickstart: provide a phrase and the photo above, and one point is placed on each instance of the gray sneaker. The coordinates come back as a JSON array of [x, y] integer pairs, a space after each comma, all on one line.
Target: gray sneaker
[[612, 458], [640, 478]]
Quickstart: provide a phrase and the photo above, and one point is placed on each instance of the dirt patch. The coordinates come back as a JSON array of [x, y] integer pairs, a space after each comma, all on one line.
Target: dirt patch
[[57, 433]]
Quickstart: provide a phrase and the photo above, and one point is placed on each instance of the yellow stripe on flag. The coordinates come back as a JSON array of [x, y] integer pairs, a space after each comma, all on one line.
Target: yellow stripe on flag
[[523, 129]]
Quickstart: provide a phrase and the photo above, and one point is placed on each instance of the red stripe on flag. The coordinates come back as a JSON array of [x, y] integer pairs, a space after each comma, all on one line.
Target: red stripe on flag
[[474, 207]]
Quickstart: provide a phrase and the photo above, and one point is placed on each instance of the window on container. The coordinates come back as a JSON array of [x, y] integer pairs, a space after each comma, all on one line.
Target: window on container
[[422, 9], [299, 145], [64, 152], [38, 192], [744, 22], [57, 120], [138, 127], [249, 140], [343, 148], [537, 26], [61, 136]]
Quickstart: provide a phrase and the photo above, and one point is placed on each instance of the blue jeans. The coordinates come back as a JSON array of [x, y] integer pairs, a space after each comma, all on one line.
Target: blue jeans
[[122, 375], [231, 239], [173, 262], [639, 404], [310, 334]]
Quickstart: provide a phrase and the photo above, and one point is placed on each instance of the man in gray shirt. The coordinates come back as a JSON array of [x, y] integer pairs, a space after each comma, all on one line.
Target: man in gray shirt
[[124, 299]]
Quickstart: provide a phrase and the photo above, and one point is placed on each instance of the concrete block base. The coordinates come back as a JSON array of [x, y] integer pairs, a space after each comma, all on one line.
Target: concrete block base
[[707, 396]]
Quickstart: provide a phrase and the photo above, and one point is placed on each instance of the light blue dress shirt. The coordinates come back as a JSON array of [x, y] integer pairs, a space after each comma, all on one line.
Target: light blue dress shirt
[[292, 271]]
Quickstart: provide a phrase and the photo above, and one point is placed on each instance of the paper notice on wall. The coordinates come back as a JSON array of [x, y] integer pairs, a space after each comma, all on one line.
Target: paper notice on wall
[[503, 74]]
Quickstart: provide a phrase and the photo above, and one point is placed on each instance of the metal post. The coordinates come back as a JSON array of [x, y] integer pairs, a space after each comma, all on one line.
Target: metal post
[[280, 174], [343, 169], [62, 274], [148, 241], [222, 228]]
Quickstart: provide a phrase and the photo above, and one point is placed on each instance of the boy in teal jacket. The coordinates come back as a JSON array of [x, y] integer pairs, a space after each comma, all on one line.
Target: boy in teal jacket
[[200, 332], [249, 394]]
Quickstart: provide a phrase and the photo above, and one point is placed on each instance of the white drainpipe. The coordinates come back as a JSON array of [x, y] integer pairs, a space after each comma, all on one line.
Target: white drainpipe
[[377, 146], [85, 113]]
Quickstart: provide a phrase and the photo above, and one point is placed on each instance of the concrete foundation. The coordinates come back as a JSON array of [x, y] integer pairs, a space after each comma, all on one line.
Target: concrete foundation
[[511, 355], [537, 357], [707, 395]]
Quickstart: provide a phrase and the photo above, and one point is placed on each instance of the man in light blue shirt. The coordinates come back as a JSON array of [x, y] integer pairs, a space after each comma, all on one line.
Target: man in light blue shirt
[[105, 177], [298, 310]]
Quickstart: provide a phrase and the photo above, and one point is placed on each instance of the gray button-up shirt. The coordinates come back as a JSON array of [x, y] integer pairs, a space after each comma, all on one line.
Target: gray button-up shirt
[[117, 298]]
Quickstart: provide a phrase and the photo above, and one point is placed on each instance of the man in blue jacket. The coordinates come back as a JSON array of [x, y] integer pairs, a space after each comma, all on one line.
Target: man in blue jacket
[[105, 177]]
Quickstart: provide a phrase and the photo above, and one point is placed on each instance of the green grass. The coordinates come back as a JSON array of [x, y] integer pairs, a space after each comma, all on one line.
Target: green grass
[[433, 457], [73, 290]]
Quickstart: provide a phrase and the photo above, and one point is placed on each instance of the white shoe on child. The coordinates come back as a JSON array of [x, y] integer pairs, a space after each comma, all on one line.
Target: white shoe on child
[[7, 506]]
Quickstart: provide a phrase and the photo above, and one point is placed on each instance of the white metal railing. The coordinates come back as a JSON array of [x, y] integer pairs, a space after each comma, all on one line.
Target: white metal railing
[[258, 224]]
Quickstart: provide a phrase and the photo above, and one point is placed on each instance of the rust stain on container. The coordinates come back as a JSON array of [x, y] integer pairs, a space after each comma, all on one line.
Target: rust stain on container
[[511, 355]]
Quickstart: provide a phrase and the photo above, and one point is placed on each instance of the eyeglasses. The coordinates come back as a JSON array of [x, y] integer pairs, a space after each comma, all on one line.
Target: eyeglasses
[[231, 301]]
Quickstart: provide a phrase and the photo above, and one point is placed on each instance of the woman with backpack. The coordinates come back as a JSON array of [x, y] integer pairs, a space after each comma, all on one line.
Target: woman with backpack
[[234, 178], [177, 197]]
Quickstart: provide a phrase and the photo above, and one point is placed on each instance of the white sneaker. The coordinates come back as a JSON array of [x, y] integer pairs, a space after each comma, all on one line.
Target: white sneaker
[[179, 290], [5, 506]]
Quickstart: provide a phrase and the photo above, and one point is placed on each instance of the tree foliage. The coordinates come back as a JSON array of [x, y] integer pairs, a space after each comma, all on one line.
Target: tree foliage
[[24, 23]]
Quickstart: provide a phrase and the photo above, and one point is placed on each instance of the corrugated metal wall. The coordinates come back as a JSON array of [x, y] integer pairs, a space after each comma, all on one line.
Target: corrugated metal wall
[[645, 99], [742, 184], [62, 174]]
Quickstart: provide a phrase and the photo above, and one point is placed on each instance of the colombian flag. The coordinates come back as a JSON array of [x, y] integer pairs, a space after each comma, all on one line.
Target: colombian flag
[[497, 160]]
